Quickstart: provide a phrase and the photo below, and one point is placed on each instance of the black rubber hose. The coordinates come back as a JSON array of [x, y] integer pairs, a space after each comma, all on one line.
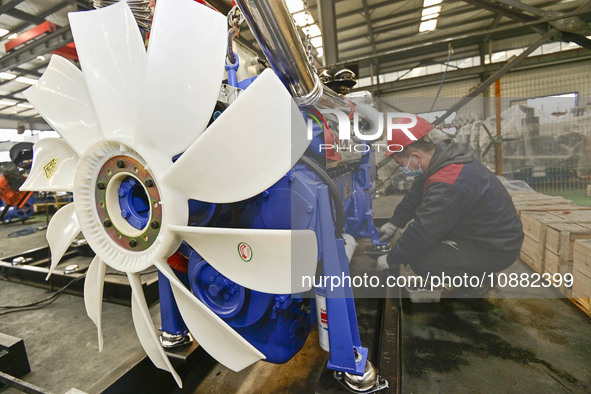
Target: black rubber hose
[[339, 226], [230, 52]]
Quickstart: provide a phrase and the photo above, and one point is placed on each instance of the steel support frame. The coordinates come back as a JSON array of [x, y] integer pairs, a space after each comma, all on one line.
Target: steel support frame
[[34, 123], [4, 8], [389, 361], [13, 356], [486, 42], [35, 271], [312, 8], [540, 15], [21, 385], [408, 15], [372, 39], [505, 30], [16, 13], [462, 38], [498, 74], [473, 72], [42, 46], [43, 15], [328, 22], [29, 52]]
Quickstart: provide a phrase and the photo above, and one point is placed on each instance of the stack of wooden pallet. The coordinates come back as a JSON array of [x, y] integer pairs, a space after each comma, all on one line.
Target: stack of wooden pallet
[[552, 227], [534, 201], [582, 274]]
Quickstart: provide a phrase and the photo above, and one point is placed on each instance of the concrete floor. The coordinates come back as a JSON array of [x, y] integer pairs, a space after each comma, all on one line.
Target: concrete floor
[[10, 246], [490, 345], [496, 345], [60, 340]]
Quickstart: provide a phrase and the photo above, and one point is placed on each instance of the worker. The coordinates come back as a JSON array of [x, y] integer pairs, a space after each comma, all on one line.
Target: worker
[[463, 219]]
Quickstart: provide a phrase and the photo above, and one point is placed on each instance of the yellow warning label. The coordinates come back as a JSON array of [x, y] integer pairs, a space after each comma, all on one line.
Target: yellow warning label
[[49, 168]]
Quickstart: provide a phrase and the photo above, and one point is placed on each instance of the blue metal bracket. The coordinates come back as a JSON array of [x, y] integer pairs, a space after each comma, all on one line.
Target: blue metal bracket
[[363, 185], [232, 69], [172, 321], [346, 352]]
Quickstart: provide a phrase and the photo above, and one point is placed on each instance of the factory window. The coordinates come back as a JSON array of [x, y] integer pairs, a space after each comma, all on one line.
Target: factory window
[[429, 15], [556, 105], [305, 21], [500, 56]]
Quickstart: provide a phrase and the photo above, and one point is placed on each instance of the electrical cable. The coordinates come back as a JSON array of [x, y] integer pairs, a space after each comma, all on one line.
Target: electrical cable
[[321, 117], [449, 52], [36, 304], [316, 115], [334, 193], [49, 300]]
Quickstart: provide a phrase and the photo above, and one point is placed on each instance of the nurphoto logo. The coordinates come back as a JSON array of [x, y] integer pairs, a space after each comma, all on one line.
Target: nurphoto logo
[[393, 121]]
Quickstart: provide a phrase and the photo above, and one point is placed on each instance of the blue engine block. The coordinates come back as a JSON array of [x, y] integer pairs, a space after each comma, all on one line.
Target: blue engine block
[[276, 324], [279, 324]]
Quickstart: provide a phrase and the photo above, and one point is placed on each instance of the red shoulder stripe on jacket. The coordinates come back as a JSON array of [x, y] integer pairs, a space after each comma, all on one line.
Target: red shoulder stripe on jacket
[[447, 174]]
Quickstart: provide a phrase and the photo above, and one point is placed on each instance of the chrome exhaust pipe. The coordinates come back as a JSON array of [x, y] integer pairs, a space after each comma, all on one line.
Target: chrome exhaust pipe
[[271, 23]]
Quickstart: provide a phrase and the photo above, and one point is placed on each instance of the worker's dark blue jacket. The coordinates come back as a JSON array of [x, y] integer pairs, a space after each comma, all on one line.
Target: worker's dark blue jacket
[[457, 197]]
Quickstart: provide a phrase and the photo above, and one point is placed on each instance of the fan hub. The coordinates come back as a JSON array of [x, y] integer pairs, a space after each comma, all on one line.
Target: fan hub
[[128, 203], [125, 211]]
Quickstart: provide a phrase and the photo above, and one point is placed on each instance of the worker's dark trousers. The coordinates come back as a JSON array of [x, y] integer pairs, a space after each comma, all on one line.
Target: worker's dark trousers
[[459, 257]]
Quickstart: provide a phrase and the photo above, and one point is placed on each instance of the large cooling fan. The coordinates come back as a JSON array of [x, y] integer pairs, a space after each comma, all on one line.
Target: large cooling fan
[[122, 119]]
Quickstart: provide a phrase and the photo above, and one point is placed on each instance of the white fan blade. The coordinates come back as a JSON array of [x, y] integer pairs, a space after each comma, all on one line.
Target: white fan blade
[[61, 98], [61, 232], [145, 328], [247, 149], [270, 261], [54, 165], [212, 333], [185, 69], [93, 295], [113, 59]]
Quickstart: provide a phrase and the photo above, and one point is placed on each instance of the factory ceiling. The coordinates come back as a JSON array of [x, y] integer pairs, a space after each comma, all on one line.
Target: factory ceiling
[[374, 36]]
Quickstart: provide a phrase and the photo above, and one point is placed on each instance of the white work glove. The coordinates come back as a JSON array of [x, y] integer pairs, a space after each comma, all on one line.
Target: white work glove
[[387, 232], [382, 263]]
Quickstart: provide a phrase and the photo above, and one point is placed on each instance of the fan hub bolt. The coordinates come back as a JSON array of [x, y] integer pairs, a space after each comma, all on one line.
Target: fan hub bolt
[[154, 224], [217, 287], [120, 164], [132, 243], [149, 183], [107, 223], [101, 186]]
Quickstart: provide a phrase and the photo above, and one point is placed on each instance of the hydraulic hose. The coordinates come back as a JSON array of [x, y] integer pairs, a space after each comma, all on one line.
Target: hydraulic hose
[[230, 52], [339, 226]]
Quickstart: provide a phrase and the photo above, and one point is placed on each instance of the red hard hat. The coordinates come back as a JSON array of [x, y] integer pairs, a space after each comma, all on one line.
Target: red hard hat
[[400, 139]]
